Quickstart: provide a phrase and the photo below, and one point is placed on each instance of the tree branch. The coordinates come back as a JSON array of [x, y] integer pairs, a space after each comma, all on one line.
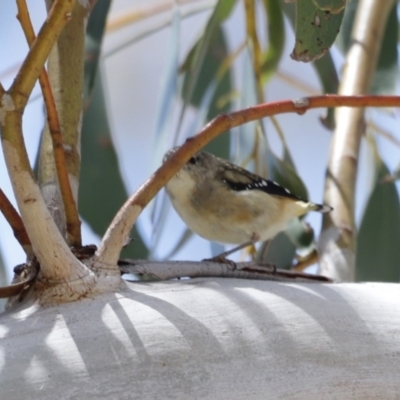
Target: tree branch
[[120, 227], [15, 221], [29, 72], [70, 208], [337, 242], [165, 270], [56, 260]]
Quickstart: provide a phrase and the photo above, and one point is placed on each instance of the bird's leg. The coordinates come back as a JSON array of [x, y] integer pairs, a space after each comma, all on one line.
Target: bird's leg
[[263, 254], [221, 258], [263, 251]]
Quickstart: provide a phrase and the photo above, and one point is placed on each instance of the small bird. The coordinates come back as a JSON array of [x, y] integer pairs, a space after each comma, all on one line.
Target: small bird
[[225, 203]]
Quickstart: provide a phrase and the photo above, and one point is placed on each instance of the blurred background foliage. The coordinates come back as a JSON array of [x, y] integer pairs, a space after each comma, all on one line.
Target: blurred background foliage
[[203, 82]]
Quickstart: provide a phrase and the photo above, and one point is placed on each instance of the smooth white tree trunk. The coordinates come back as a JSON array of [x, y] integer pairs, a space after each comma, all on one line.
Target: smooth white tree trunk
[[208, 338]]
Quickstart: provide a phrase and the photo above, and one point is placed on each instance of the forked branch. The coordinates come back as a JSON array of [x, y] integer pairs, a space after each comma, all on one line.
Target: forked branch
[[70, 208], [13, 218], [59, 263]]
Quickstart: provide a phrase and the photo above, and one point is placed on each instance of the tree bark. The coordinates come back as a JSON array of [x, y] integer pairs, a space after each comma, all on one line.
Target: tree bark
[[208, 338]]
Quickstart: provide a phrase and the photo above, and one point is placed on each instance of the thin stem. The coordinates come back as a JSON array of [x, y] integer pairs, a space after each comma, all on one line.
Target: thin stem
[[120, 227], [71, 212], [254, 45], [29, 72], [139, 13], [15, 221]]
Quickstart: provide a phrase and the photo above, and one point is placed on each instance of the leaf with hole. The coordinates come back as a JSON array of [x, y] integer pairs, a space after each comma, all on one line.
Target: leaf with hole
[[316, 31]]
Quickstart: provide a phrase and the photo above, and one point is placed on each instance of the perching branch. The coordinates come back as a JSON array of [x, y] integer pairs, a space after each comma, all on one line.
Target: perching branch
[[15, 221], [120, 227], [164, 270], [337, 242], [70, 208]]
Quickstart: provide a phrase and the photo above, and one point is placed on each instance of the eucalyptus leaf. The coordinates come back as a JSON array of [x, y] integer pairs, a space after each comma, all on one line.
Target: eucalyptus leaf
[[316, 31], [329, 78], [334, 6], [196, 62], [276, 38], [94, 37], [208, 76], [168, 89], [324, 67], [163, 120], [281, 252], [102, 191], [285, 175], [378, 247]]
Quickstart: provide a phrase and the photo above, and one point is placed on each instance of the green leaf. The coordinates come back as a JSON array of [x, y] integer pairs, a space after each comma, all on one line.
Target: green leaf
[[334, 6], [214, 56], [328, 76], [205, 50], [276, 37], [378, 249], [285, 175], [210, 81], [316, 31], [102, 191], [94, 36], [386, 73], [281, 252], [325, 69], [301, 234], [167, 95]]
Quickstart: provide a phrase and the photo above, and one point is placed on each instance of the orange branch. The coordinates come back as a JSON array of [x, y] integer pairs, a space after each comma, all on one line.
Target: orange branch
[[126, 216], [15, 221], [70, 209]]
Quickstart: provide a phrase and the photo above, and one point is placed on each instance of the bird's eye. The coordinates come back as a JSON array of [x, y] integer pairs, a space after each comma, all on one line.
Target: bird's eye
[[192, 160]]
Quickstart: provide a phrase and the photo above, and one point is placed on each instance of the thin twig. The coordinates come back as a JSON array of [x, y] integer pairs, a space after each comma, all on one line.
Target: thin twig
[[29, 72], [24, 275], [122, 223], [297, 83], [384, 133], [139, 13], [164, 270], [70, 209], [15, 221], [254, 47]]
